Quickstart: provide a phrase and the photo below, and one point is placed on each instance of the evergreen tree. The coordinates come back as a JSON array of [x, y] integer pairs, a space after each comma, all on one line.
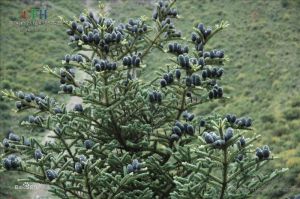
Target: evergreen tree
[[132, 138]]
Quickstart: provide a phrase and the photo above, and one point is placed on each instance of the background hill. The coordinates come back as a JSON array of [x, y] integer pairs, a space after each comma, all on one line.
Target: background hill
[[24, 49], [262, 77]]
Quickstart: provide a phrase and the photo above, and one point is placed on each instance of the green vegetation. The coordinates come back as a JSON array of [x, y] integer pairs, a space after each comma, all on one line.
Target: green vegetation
[[262, 43], [263, 72], [22, 56]]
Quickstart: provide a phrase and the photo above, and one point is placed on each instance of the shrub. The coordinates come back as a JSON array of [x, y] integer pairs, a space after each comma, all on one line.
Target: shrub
[[292, 113], [132, 138]]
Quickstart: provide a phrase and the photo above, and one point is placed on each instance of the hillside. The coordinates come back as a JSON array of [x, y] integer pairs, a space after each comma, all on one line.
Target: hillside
[[262, 76], [24, 49]]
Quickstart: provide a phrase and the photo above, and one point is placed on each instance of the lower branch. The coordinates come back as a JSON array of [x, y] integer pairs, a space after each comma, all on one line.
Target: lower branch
[[225, 167]]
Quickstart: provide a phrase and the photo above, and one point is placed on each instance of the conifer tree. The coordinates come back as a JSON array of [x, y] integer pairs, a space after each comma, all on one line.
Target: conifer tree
[[132, 138]]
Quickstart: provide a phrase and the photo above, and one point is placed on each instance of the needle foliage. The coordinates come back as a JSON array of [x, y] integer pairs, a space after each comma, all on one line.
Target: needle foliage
[[131, 138]]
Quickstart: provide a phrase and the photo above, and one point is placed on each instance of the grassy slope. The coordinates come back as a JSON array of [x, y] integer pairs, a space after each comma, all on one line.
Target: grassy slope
[[22, 56], [261, 76]]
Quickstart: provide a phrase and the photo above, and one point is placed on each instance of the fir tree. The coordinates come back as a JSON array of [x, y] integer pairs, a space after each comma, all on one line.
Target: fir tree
[[131, 138]]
